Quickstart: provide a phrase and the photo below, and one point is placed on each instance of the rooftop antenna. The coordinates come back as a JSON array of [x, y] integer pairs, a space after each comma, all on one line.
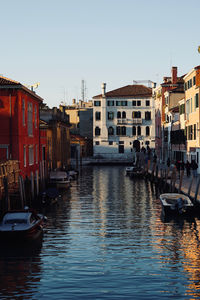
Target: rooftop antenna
[[33, 86], [83, 90]]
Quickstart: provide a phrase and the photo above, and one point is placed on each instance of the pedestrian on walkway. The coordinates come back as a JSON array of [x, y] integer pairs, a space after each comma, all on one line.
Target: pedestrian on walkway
[[168, 162], [187, 166], [194, 167]]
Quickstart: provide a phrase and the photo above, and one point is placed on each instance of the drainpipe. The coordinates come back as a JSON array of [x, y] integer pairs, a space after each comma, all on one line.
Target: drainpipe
[[10, 127]]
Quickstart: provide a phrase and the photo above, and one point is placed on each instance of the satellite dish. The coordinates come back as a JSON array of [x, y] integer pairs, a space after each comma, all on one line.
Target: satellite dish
[[199, 49]]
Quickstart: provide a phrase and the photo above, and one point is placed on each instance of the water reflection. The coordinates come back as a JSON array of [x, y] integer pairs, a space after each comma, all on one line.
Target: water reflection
[[20, 267], [106, 240]]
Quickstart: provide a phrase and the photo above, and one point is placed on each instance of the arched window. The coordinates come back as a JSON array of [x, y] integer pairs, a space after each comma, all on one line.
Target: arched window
[[119, 115], [136, 114], [139, 130], [123, 130], [134, 130], [123, 115], [97, 131], [147, 115], [110, 130], [147, 131], [118, 130]]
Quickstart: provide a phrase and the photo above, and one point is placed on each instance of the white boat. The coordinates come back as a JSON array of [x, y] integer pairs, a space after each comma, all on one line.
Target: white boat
[[59, 179], [174, 203], [129, 170], [21, 225]]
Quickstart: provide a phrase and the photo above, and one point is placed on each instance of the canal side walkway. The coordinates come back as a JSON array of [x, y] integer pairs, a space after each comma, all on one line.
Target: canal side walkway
[[188, 185]]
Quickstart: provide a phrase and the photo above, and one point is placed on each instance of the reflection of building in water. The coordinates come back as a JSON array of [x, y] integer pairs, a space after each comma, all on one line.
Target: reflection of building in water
[[18, 279], [178, 241], [119, 200]]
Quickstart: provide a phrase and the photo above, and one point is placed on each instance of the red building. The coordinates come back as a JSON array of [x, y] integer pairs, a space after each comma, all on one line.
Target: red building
[[19, 125]]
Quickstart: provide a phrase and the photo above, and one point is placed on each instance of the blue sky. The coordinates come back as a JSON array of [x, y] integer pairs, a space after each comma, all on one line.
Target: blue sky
[[59, 43]]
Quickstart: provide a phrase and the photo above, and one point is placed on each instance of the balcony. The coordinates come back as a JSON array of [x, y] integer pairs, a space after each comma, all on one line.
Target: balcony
[[136, 121], [129, 121]]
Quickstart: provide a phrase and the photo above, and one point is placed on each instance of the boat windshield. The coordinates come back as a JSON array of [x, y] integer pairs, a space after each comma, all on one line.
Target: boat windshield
[[16, 221]]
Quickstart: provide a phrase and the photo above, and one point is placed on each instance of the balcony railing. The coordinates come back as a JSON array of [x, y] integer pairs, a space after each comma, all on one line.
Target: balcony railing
[[129, 121]]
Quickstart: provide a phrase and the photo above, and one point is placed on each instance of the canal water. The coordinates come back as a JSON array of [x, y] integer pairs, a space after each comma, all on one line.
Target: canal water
[[106, 240]]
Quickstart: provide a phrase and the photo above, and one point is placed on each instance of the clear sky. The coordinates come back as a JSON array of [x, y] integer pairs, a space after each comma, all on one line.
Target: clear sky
[[60, 43]]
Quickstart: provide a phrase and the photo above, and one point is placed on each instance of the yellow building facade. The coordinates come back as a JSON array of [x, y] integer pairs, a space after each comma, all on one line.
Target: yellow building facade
[[192, 114]]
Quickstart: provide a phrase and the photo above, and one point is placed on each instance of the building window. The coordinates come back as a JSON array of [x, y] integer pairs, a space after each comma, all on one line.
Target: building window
[[147, 103], [121, 149], [119, 115], [139, 103], [134, 103], [182, 109], [23, 112], [197, 100], [35, 116], [110, 115], [31, 155], [121, 142], [195, 128], [97, 103], [147, 115], [123, 115], [24, 156], [110, 130], [30, 119], [147, 131], [98, 115], [194, 80], [121, 103], [97, 131], [110, 143], [121, 130], [139, 130], [110, 103], [136, 114], [97, 143], [134, 130]]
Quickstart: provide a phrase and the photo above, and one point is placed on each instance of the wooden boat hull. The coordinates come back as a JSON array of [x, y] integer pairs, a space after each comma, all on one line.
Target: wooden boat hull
[[22, 236]]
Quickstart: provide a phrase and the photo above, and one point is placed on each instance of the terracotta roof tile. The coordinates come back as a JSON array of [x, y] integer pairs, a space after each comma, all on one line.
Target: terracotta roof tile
[[129, 91], [7, 81]]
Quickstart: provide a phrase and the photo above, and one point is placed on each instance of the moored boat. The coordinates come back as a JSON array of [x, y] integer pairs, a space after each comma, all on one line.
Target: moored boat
[[21, 225], [59, 179], [174, 203]]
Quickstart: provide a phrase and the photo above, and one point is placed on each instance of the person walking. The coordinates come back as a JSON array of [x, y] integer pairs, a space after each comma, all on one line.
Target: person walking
[[194, 167], [187, 166]]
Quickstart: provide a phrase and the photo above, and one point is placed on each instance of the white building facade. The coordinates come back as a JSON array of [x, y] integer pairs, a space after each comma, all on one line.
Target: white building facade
[[123, 122]]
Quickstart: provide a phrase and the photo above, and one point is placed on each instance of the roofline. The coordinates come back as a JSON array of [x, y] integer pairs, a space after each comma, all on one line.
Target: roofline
[[126, 96], [20, 86]]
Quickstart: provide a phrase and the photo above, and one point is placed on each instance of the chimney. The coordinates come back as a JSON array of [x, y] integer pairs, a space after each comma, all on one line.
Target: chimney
[[174, 75], [103, 89]]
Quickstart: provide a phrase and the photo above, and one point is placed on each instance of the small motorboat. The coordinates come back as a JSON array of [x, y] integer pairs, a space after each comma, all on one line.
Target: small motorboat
[[59, 179], [129, 170], [174, 203], [137, 172], [24, 225]]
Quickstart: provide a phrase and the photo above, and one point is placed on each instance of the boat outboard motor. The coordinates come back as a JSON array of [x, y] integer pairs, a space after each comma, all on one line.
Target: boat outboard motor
[[179, 203]]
